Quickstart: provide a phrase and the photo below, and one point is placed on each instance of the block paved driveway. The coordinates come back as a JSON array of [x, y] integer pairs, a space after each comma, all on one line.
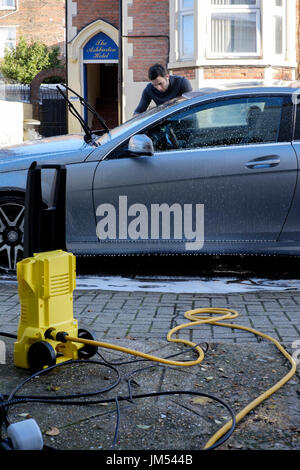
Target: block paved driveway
[[141, 315]]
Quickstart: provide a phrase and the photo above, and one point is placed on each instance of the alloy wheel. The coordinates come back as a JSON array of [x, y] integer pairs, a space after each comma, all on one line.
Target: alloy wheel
[[11, 232]]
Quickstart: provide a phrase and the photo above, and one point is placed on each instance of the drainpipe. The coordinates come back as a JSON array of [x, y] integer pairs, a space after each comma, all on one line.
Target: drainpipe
[[120, 65], [66, 40], [67, 60]]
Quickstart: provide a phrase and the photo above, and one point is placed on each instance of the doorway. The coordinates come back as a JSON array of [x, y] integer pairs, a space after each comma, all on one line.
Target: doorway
[[101, 92]]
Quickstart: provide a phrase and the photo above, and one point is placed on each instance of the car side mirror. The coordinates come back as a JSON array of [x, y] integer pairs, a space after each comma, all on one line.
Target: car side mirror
[[139, 145]]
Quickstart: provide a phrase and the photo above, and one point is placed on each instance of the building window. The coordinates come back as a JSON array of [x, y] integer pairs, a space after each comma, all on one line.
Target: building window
[[211, 32], [279, 21], [7, 39], [7, 4], [234, 28], [186, 29]]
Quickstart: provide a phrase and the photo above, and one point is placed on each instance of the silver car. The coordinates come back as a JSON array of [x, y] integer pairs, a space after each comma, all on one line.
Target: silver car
[[213, 172]]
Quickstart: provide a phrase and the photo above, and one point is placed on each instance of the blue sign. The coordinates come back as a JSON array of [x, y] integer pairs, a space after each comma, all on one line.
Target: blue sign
[[100, 48]]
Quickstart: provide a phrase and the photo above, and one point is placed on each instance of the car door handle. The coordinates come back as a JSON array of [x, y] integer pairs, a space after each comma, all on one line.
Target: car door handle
[[267, 161]]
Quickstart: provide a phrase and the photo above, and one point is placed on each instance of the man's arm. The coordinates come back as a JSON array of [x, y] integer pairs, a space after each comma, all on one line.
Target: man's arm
[[144, 102], [185, 85]]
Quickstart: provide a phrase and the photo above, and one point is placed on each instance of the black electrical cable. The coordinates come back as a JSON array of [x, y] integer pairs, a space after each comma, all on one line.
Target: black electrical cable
[[20, 399], [8, 335], [131, 361], [134, 397], [74, 395], [117, 423], [13, 399], [3, 415], [191, 392], [129, 382], [81, 395]]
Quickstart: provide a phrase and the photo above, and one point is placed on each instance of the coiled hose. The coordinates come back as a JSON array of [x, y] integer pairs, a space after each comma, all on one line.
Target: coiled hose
[[198, 317]]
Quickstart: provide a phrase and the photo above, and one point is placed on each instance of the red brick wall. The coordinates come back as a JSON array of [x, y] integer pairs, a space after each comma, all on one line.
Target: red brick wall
[[150, 18], [282, 74], [243, 73], [235, 73], [92, 10], [38, 20], [189, 73]]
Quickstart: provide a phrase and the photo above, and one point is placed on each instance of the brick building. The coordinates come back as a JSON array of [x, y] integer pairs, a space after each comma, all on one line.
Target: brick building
[[112, 43], [204, 40], [36, 20]]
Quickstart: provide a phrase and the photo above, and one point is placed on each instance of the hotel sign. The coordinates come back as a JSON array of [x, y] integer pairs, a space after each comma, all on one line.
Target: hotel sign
[[100, 48]]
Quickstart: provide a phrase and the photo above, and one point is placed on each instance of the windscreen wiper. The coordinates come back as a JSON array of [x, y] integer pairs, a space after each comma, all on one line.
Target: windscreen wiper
[[88, 107], [88, 132]]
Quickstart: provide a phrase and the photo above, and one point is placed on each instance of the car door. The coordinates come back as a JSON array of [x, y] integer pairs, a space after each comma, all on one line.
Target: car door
[[228, 162], [290, 235]]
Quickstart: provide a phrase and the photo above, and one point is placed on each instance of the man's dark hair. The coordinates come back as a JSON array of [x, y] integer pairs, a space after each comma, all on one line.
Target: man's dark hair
[[157, 70]]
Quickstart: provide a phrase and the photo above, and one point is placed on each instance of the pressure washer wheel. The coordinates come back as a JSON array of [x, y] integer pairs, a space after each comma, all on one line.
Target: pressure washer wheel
[[88, 350], [41, 354]]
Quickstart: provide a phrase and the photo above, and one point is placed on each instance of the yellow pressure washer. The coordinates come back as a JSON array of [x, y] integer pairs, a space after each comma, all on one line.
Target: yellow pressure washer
[[46, 279]]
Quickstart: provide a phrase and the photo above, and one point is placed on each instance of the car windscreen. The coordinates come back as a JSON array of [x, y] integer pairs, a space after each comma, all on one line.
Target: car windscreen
[[137, 119]]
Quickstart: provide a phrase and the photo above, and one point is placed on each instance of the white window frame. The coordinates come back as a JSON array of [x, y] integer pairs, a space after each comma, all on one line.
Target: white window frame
[[3, 45], [7, 7], [279, 11], [254, 9], [183, 12], [266, 57]]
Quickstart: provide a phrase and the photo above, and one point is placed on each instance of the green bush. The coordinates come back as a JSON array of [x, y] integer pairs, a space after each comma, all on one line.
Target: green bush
[[25, 61]]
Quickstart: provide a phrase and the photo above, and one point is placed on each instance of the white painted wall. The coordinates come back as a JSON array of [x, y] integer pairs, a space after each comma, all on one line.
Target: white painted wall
[[11, 123]]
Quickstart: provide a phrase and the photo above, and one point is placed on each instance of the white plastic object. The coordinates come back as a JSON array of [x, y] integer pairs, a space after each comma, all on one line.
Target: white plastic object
[[25, 435]]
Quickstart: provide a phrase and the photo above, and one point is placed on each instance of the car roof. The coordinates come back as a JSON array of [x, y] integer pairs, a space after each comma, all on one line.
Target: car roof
[[245, 86]]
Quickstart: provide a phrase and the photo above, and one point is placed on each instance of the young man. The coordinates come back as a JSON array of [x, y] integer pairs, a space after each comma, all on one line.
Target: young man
[[162, 87]]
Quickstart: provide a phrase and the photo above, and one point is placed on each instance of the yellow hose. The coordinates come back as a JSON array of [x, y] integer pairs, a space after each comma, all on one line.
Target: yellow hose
[[191, 314], [196, 319], [141, 354]]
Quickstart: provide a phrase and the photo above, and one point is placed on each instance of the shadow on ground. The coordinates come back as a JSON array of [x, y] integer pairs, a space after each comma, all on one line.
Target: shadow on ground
[[271, 267]]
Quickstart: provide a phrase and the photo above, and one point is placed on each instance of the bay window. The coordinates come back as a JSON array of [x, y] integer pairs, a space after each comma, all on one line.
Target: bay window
[[232, 30], [7, 4]]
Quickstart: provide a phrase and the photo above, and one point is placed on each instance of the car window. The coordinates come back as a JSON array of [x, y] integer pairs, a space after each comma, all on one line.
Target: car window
[[235, 121], [297, 123], [137, 119]]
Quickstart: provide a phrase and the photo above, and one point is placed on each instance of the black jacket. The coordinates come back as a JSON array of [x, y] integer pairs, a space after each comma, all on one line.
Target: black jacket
[[178, 86]]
